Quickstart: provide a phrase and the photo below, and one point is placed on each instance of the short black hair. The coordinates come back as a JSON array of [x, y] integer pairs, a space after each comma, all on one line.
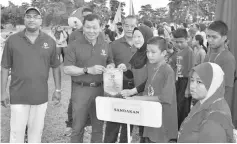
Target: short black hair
[[172, 28], [91, 17], [180, 33], [159, 41], [185, 25], [87, 10], [119, 24], [148, 23], [220, 27], [111, 34], [107, 26], [197, 25], [161, 31]]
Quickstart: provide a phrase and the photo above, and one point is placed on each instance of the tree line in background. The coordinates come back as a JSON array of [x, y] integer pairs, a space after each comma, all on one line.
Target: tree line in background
[[179, 11], [57, 11]]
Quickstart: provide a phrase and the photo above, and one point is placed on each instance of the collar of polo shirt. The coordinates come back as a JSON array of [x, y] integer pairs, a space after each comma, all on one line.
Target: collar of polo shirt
[[22, 33], [123, 40], [84, 40]]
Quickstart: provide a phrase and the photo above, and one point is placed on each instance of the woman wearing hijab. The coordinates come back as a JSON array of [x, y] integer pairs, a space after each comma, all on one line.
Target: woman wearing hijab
[[209, 121], [138, 63], [139, 60]]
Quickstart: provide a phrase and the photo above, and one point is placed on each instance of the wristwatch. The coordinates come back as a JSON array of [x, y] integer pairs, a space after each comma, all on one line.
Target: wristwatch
[[58, 90], [85, 70]]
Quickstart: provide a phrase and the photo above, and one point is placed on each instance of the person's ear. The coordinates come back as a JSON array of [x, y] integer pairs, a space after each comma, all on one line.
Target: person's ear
[[164, 53], [224, 38]]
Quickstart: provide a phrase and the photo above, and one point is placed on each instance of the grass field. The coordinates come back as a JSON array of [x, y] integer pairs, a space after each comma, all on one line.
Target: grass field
[[55, 117]]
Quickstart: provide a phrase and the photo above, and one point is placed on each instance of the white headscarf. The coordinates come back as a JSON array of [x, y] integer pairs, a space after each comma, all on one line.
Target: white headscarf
[[217, 80]]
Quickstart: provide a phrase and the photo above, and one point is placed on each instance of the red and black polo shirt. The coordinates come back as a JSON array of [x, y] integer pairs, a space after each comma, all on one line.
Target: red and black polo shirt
[[30, 64]]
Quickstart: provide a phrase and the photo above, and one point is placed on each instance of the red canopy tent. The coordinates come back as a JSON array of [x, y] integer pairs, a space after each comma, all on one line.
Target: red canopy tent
[[227, 12]]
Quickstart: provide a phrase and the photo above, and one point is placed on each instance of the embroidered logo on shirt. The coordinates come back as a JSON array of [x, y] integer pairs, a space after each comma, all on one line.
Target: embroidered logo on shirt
[[103, 53], [45, 46]]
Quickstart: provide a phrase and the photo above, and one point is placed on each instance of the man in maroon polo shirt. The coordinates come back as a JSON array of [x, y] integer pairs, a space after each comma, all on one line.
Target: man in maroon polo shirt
[[30, 54], [76, 34], [85, 62], [122, 50]]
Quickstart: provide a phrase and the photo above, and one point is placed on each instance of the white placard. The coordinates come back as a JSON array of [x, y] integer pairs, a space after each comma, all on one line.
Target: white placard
[[135, 112]]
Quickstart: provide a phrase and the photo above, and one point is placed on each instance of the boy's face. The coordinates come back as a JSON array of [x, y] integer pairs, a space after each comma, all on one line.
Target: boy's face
[[195, 42], [181, 43], [154, 53], [214, 39]]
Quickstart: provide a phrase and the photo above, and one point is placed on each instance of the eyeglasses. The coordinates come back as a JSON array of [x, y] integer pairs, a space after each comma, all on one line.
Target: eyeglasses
[[34, 17]]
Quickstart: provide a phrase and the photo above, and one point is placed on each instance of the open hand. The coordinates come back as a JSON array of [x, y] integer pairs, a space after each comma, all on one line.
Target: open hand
[[127, 93], [56, 98], [123, 67], [110, 66]]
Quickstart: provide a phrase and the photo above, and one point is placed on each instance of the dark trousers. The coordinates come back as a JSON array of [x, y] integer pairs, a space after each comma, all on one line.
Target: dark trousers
[[112, 128], [83, 104], [69, 115], [183, 103], [147, 140]]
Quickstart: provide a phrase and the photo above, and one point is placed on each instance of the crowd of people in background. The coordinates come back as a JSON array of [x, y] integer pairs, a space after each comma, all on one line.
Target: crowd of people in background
[[187, 68]]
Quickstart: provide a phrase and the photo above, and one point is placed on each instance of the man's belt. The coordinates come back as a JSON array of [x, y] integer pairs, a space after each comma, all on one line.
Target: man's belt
[[87, 84]]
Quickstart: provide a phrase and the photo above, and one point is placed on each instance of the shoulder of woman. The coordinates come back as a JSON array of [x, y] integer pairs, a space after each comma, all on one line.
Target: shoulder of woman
[[212, 131], [220, 117]]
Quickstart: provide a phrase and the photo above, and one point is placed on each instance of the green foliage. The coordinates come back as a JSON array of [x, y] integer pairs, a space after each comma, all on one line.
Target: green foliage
[[56, 12], [182, 10], [99, 7], [114, 6], [156, 16], [13, 14]]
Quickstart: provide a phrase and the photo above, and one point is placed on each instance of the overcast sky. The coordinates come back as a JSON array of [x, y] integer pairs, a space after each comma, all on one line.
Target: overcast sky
[[136, 3]]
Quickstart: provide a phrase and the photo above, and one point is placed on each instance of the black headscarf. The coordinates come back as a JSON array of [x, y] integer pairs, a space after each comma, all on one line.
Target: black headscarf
[[139, 59]]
